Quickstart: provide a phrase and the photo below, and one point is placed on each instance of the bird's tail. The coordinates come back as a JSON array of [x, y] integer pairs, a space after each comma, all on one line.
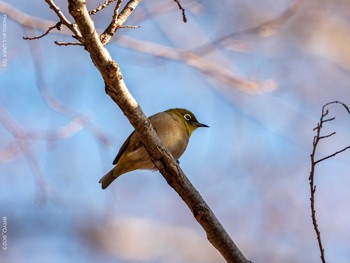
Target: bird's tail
[[107, 179]]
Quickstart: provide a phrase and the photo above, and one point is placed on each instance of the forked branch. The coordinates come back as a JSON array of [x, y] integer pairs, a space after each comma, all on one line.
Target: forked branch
[[317, 138]]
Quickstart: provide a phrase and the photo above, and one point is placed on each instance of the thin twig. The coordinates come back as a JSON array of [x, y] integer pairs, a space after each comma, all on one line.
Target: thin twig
[[101, 6], [72, 27], [118, 19], [328, 135], [332, 155], [316, 140], [58, 43], [184, 18], [134, 27], [58, 26], [313, 190]]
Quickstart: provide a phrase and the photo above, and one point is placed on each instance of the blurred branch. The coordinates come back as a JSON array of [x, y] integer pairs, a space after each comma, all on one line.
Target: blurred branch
[[58, 106], [264, 29], [61, 133], [36, 23], [316, 140], [22, 141], [117, 90], [208, 67], [25, 19]]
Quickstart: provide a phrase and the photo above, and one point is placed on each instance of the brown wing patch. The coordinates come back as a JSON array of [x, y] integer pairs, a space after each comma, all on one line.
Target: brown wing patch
[[127, 146]]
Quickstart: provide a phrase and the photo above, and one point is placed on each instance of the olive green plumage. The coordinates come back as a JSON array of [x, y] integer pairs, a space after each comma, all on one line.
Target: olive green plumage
[[174, 128]]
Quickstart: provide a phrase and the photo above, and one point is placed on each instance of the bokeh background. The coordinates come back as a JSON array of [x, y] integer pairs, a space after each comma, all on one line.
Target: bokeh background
[[257, 72]]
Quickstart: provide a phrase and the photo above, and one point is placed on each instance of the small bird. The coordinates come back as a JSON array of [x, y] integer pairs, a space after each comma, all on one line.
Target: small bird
[[174, 128]]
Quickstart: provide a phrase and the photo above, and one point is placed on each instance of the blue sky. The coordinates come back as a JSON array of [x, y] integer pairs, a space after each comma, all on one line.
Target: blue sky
[[251, 165]]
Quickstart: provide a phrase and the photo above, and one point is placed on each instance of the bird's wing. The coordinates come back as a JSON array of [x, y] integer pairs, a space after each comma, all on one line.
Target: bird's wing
[[156, 120], [133, 146]]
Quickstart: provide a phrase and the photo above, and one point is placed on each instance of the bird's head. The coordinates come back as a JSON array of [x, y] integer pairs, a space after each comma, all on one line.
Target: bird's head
[[188, 119]]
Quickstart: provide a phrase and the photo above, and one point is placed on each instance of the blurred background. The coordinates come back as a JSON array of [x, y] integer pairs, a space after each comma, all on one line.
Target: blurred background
[[257, 72]]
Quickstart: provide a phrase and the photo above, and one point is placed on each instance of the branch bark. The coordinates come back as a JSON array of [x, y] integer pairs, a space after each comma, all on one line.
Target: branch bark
[[167, 165]]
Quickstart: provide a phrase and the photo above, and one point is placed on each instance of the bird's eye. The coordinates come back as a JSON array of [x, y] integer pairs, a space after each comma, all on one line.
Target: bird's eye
[[187, 117]]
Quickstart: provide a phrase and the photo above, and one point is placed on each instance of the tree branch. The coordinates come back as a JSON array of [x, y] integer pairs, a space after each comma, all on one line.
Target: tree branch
[[167, 165], [209, 67], [265, 29], [64, 20], [102, 6], [57, 26], [184, 18], [118, 19], [316, 140]]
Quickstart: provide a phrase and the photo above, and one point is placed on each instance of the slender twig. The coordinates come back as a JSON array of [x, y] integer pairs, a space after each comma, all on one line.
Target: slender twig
[[313, 190], [133, 27], [58, 26], [332, 155], [58, 43], [328, 135], [316, 140], [101, 6], [184, 18], [118, 20], [72, 27]]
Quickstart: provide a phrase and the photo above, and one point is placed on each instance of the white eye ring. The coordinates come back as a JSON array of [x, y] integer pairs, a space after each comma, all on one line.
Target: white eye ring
[[187, 117]]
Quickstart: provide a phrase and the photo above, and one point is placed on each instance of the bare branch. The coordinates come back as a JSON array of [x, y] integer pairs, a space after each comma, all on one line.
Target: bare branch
[[332, 155], [316, 140], [118, 20], [102, 6], [267, 28], [64, 20], [330, 119], [58, 43], [133, 27], [327, 136], [325, 111], [184, 18], [57, 26]]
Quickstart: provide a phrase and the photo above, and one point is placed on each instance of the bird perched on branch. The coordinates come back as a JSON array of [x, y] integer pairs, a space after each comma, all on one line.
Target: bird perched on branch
[[174, 128]]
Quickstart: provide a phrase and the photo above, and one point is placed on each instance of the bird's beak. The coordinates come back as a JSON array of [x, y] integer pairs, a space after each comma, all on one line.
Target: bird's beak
[[201, 125]]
